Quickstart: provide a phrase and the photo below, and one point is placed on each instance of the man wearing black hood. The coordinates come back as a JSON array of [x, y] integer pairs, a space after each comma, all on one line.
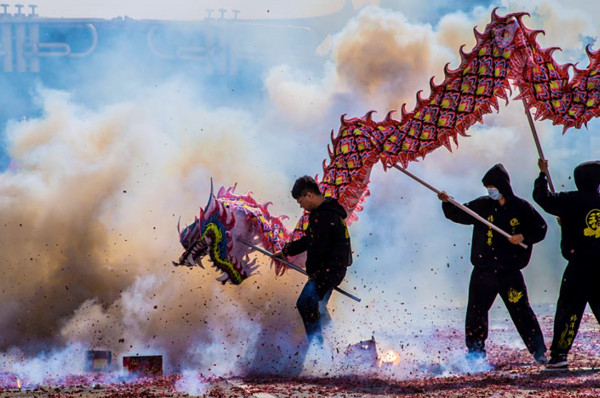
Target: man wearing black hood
[[498, 261], [328, 252], [579, 214]]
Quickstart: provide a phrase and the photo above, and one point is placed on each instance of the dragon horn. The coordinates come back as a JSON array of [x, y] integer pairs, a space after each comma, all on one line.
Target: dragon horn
[[211, 201], [212, 192]]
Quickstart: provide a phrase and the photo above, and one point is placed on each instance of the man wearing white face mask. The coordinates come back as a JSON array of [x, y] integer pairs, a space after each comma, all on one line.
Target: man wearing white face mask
[[498, 261]]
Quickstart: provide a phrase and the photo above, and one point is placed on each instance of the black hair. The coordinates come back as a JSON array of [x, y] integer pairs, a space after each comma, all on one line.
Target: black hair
[[303, 185]]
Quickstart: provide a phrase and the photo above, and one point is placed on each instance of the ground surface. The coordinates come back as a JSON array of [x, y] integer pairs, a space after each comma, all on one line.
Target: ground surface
[[512, 375]]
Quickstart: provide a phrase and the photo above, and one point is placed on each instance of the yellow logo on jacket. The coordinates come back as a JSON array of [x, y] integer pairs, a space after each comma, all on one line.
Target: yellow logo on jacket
[[514, 295], [345, 228], [592, 220], [513, 225], [490, 234]]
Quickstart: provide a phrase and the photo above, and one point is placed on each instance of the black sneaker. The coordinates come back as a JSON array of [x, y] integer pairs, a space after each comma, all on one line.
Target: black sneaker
[[558, 361], [540, 357]]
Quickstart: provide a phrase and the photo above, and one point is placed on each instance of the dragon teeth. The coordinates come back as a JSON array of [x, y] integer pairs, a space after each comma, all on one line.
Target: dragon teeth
[[189, 261]]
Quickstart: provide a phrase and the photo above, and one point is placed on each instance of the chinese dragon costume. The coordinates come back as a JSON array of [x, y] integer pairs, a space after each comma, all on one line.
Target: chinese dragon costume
[[506, 52]]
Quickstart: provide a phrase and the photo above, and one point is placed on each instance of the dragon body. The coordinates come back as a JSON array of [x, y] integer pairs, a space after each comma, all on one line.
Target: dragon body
[[505, 52]]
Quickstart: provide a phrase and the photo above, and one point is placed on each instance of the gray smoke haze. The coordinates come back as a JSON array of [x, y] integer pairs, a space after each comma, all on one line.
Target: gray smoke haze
[[100, 177]]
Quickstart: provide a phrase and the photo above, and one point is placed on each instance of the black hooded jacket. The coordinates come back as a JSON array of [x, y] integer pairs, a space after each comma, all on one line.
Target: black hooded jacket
[[579, 211], [489, 248], [326, 240]]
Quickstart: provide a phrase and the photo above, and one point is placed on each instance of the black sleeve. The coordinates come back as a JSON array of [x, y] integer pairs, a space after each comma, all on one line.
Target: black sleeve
[[547, 200], [458, 215], [536, 228], [296, 247]]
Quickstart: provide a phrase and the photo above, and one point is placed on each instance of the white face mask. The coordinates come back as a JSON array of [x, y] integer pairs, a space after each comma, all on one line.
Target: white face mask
[[494, 193]]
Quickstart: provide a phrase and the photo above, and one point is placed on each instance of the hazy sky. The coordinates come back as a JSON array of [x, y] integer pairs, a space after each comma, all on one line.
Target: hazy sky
[[184, 9]]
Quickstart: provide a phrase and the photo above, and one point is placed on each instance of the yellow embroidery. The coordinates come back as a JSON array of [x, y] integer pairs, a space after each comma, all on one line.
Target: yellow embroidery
[[592, 220], [568, 334], [490, 234], [514, 295], [514, 223], [345, 228]]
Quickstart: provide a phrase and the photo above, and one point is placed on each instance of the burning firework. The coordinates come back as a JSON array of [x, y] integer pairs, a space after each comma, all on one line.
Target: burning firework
[[389, 358]]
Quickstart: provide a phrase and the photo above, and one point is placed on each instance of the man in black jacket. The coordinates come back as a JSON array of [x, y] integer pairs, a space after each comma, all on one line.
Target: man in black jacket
[[498, 261], [328, 252], [579, 215]]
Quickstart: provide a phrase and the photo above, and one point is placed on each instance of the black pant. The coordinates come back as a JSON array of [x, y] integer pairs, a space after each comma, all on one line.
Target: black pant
[[579, 286], [484, 287], [313, 301]]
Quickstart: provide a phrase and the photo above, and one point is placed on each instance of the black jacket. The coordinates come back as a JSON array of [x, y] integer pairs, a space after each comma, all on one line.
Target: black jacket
[[579, 211], [489, 248], [326, 240]]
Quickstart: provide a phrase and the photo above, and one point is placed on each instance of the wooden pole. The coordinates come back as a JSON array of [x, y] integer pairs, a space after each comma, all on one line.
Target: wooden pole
[[293, 266], [459, 205], [530, 120], [538, 145]]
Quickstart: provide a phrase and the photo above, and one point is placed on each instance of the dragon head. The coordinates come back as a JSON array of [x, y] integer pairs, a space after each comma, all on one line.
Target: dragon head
[[217, 232]]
